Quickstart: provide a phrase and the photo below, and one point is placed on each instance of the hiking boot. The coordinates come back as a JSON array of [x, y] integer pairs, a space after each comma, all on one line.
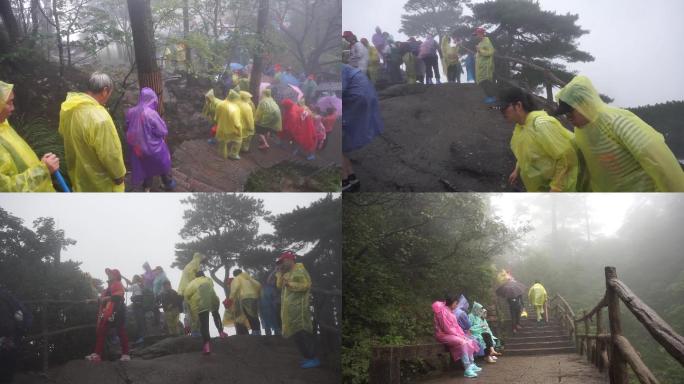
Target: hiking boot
[[311, 363], [94, 357], [125, 358], [206, 349]]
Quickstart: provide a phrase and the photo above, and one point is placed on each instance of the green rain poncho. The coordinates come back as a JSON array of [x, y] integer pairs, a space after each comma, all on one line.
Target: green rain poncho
[[546, 156], [189, 272], [410, 63], [622, 152], [229, 119], [247, 113], [484, 61], [295, 312], [92, 147], [479, 325], [20, 168], [268, 113]]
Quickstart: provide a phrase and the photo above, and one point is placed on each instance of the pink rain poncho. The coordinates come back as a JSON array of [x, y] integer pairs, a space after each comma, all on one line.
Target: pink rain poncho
[[447, 331], [146, 133]]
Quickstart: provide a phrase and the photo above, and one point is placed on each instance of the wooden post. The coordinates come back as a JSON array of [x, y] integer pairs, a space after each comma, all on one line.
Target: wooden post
[[618, 367], [599, 343], [549, 90], [44, 326], [586, 334]]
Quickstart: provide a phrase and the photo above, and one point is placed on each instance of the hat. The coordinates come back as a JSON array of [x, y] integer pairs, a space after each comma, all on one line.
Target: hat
[[563, 108], [285, 256], [347, 34]]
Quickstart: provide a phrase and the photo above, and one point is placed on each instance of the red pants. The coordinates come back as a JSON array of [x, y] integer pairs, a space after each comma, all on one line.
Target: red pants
[[101, 333]]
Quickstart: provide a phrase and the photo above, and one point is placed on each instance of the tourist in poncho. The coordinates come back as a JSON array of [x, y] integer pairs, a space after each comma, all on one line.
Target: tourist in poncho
[[146, 136], [299, 125]]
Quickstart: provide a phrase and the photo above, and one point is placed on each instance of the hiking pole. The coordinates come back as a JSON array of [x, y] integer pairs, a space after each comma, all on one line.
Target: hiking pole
[[62, 183]]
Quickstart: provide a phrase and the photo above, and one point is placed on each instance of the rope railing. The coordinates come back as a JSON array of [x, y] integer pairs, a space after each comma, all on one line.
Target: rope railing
[[613, 350]]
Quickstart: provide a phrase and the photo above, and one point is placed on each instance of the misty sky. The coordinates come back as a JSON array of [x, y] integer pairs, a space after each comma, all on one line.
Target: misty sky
[[125, 230], [637, 44]]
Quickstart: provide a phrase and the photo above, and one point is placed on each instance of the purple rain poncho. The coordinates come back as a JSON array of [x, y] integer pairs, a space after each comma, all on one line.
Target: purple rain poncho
[[148, 153]]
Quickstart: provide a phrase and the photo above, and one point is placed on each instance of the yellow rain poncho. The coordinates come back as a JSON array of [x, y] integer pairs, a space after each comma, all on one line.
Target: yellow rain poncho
[[229, 119], [484, 61], [20, 168], [268, 113], [92, 147], [410, 63], [247, 113], [243, 83], [210, 103], [243, 287], [201, 296], [546, 156], [449, 53], [537, 294], [622, 152], [189, 272], [373, 63], [294, 312]]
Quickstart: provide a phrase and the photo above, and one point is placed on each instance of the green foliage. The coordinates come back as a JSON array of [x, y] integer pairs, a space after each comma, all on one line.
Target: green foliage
[[293, 177], [29, 269], [402, 252], [431, 17], [522, 29], [667, 119]]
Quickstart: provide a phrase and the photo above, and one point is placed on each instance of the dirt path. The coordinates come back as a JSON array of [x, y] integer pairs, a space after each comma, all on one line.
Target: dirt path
[[437, 138], [560, 369]]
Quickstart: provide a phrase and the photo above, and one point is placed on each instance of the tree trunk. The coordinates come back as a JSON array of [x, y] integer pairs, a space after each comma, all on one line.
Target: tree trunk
[[258, 60], [58, 33], [68, 49], [145, 53], [186, 33], [10, 22]]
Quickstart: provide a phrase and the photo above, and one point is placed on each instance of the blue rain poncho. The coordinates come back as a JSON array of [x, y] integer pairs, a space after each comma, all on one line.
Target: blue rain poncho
[[361, 120]]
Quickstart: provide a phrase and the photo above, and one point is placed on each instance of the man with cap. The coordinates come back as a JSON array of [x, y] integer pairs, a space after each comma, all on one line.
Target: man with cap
[[20, 168], [484, 65], [295, 284], [546, 158], [359, 54], [622, 152]]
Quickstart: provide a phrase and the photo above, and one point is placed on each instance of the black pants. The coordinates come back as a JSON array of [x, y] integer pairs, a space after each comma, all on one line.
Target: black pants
[[139, 314], [217, 320], [515, 310], [306, 343], [204, 325], [488, 87], [254, 323], [489, 343], [454, 73], [240, 329], [431, 65]]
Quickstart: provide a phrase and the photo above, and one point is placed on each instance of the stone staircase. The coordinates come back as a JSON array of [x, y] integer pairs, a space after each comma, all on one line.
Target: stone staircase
[[532, 339]]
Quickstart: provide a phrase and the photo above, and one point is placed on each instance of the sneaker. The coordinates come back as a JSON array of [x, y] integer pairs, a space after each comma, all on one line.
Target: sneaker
[[311, 157], [469, 373], [125, 358], [490, 359], [234, 157], [223, 335], [311, 363], [206, 349], [494, 357], [475, 368], [94, 357]]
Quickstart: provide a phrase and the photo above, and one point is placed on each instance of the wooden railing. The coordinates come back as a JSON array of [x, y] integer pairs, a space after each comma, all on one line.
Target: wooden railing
[[41, 306], [612, 350]]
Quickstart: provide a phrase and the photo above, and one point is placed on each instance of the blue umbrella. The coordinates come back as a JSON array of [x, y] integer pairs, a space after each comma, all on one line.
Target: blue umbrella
[[236, 66], [289, 79]]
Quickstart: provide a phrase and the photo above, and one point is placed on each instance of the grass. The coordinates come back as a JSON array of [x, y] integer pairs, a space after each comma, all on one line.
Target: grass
[[291, 177]]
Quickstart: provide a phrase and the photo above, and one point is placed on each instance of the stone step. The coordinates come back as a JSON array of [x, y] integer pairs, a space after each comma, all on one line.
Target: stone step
[[529, 339], [539, 331], [540, 351], [538, 344]]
